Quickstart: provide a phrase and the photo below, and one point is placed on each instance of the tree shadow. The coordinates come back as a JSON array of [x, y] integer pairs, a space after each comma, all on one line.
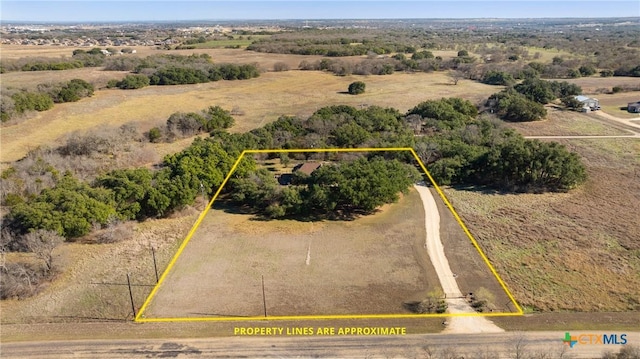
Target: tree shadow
[[343, 93], [228, 206], [482, 189]]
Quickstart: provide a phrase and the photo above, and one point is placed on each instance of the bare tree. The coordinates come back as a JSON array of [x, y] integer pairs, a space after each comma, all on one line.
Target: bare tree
[[455, 76], [519, 346], [42, 243]]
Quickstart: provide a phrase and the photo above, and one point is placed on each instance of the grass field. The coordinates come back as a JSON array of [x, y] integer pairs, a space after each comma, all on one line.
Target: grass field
[[616, 104], [567, 251], [367, 266], [560, 122], [263, 99]]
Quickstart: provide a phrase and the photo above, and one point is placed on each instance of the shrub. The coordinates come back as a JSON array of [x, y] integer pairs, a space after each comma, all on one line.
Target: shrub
[[72, 91], [280, 66], [498, 78], [23, 101], [587, 70], [356, 88], [606, 73], [131, 82], [154, 135]]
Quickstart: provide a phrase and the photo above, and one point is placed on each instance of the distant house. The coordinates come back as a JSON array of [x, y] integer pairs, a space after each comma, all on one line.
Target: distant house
[[633, 107], [588, 104], [307, 167]]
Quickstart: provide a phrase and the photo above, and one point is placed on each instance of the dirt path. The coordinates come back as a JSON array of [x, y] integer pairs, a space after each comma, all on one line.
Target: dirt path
[[624, 121], [455, 303]]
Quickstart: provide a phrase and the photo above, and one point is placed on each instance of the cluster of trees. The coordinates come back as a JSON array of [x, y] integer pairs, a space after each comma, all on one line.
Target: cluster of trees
[[617, 51], [472, 150], [331, 43], [79, 59], [130, 82], [181, 124], [17, 103], [179, 69], [378, 66], [173, 75], [72, 208], [457, 145], [334, 190], [524, 101]]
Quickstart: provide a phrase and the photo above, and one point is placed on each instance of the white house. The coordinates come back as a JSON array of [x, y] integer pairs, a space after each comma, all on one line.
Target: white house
[[588, 104]]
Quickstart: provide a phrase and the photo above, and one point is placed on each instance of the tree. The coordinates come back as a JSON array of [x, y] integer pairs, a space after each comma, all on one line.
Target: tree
[[498, 78], [356, 88], [515, 107], [42, 243], [71, 209], [571, 102], [455, 76]]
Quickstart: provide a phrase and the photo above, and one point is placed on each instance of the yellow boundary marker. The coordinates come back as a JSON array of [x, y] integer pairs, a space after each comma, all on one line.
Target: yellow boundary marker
[[140, 316]]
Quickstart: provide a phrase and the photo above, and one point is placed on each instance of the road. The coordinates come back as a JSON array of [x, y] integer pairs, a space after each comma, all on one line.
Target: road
[[455, 302], [495, 345]]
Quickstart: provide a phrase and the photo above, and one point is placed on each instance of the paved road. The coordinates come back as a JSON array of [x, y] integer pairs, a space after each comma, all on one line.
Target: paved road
[[497, 345], [447, 279]]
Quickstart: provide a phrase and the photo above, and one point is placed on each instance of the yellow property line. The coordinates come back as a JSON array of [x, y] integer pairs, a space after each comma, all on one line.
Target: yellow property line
[[139, 317], [466, 230]]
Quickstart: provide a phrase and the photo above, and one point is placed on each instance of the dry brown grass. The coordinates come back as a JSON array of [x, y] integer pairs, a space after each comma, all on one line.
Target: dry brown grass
[[263, 100], [616, 104], [573, 251], [591, 84], [75, 295], [560, 122], [367, 266], [31, 79]]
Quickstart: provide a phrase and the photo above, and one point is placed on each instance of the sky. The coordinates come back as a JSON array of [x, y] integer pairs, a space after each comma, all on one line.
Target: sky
[[176, 10]]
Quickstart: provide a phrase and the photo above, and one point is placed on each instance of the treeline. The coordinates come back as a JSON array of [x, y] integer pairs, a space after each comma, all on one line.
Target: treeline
[[463, 149], [73, 208], [79, 59], [616, 53], [332, 43], [17, 103], [177, 70], [524, 101], [335, 190], [458, 147]]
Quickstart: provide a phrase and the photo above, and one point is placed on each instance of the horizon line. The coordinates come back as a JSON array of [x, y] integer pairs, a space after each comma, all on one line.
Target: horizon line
[[5, 22]]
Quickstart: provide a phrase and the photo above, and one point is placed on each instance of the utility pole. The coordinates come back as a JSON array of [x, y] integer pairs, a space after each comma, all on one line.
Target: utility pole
[[155, 265], [133, 307], [264, 299]]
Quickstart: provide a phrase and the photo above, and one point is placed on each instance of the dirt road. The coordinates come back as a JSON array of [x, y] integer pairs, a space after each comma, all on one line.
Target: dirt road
[[455, 303], [497, 345]]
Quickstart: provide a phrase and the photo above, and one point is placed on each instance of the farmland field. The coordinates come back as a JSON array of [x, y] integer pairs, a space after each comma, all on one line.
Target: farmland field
[[262, 100]]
